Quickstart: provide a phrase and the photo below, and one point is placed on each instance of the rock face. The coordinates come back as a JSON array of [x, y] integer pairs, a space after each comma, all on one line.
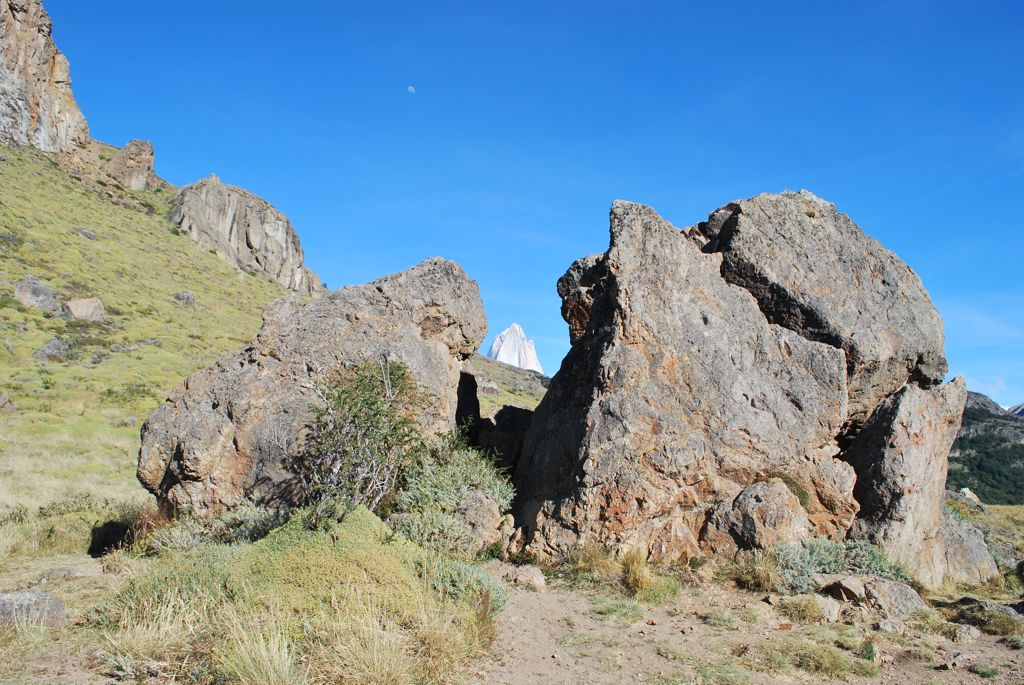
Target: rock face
[[722, 382], [244, 230], [801, 259], [900, 459], [86, 309], [223, 436], [1016, 410], [132, 166], [676, 395], [32, 292], [36, 104], [512, 347]]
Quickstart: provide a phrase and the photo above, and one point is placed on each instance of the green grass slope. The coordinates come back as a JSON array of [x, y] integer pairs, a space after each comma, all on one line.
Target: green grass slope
[[75, 428]]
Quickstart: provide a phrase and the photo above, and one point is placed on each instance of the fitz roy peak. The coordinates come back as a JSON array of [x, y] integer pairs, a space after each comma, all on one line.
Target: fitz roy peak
[[512, 347]]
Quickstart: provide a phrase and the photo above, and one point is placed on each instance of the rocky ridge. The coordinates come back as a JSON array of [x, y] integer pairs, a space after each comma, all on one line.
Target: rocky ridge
[[245, 230], [37, 106], [756, 346], [988, 452]]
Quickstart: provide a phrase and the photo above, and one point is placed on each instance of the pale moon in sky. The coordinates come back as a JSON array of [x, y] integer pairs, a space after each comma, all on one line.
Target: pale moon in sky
[[411, 90]]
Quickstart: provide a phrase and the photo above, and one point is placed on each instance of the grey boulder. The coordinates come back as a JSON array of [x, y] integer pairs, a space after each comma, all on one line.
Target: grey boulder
[[32, 292], [54, 349], [86, 309], [226, 434], [31, 606]]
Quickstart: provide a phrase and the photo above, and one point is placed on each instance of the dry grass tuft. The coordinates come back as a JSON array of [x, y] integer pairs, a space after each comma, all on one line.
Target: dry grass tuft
[[801, 609]]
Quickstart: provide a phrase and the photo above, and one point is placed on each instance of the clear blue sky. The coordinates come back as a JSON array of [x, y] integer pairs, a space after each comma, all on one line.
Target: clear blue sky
[[529, 118]]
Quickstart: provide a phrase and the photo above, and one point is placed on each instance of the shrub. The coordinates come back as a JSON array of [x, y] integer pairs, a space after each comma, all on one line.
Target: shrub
[[991, 621], [590, 562], [983, 670], [756, 571], [797, 563], [801, 609], [362, 438], [437, 485]]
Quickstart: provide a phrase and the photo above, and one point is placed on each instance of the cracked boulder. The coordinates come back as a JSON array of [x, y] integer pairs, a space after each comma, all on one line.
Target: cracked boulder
[[224, 436], [774, 343]]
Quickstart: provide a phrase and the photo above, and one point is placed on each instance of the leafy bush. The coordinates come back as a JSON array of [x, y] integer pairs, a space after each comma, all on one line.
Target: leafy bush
[[437, 485], [362, 438]]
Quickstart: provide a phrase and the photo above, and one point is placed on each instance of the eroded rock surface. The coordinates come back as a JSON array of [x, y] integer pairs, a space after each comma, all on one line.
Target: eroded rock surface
[[814, 271], [132, 166], [36, 104], [676, 395], [225, 434], [245, 230], [723, 382]]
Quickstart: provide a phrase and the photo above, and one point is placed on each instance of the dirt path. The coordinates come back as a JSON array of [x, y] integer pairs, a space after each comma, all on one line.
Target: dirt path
[[709, 635]]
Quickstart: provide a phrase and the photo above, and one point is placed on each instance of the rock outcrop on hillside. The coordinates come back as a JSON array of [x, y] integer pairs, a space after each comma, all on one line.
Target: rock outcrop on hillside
[[1016, 410], [132, 166], [36, 104], [244, 230], [511, 347], [711, 366], [226, 433]]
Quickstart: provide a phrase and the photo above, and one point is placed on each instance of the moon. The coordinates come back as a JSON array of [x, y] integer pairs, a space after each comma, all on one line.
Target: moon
[[411, 90]]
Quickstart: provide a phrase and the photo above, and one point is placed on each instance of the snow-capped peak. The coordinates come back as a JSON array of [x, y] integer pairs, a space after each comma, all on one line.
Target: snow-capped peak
[[512, 347]]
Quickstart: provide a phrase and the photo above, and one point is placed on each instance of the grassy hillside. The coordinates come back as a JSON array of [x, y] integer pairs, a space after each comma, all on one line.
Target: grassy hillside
[[76, 424], [988, 456]]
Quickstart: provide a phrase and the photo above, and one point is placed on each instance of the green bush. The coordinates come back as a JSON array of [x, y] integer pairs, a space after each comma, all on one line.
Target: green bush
[[797, 563], [361, 439]]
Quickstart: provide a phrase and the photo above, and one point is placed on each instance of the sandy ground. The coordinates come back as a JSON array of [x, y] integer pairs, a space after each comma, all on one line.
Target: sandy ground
[[558, 637]]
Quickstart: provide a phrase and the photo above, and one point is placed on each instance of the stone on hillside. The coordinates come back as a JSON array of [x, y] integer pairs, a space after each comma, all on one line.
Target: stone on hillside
[[225, 435], [36, 104], [6, 405], [676, 395], [86, 233], [132, 166], [761, 516], [969, 495], [244, 230], [482, 520], [31, 606], [185, 297], [32, 292], [847, 589], [54, 349], [831, 608], [802, 260], [895, 600], [901, 461], [968, 559], [86, 309]]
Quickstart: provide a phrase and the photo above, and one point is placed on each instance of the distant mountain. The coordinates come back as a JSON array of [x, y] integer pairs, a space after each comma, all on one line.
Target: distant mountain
[[988, 455], [512, 347], [1017, 410]]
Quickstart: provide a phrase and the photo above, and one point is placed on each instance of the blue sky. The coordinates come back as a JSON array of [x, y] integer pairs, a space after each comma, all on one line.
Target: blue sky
[[529, 118]]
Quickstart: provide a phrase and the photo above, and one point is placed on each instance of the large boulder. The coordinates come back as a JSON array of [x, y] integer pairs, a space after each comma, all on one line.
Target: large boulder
[[225, 435], [31, 607], [36, 104], [722, 373], [86, 309], [32, 292], [245, 230], [132, 166], [675, 396], [813, 271]]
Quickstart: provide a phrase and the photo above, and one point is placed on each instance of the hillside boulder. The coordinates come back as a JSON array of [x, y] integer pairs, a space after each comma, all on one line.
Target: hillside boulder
[[132, 166], [32, 292], [244, 230], [37, 107], [731, 382], [226, 434], [86, 309]]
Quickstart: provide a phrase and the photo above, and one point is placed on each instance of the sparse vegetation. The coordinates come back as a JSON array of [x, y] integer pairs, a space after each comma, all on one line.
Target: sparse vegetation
[[991, 621], [789, 568], [983, 670], [801, 609]]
